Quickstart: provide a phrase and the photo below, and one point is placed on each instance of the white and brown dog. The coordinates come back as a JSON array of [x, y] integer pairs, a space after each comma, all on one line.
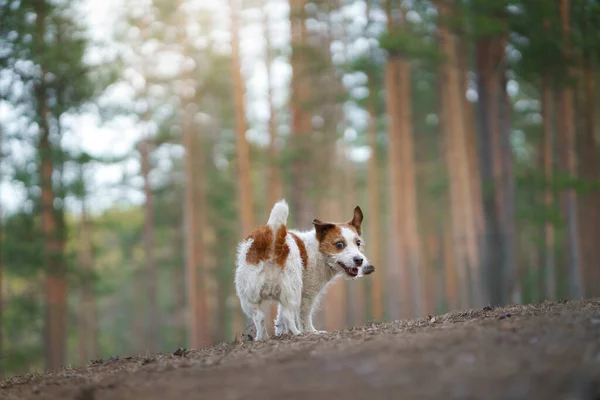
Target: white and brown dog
[[294, 268]]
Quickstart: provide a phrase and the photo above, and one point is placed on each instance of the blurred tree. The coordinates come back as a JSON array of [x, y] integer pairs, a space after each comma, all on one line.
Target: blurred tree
[[462, 195], [55, 82], [495, 153], [373, 181], [301, 105], [567, 161], [401, 270], [587, 143], [275, 184], [245, 197], [87, 329]]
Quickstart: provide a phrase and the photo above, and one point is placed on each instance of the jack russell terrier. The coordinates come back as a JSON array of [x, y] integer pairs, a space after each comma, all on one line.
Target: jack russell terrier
[[294, 268]]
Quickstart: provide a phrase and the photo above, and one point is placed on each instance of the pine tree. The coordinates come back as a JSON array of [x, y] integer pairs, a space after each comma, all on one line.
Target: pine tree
[[243, 153], [567, 159]]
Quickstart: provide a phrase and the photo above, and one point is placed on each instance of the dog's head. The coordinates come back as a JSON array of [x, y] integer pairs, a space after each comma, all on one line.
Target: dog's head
[[342, 245]]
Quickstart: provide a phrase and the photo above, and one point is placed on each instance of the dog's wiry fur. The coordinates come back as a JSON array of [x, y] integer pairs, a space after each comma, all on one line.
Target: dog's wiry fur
[[295, 267]]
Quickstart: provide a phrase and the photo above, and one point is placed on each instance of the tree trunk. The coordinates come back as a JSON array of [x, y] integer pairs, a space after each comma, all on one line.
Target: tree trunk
[[547, 167], [374, 208], [407, 157], [275, 190], [242, 149], [202, 257], [373, 195], [196, 310], [55, 282], [152, 328], [568, 161], [490, 59], [450, 270], [461, 192], [399, 270], [85, 323], [1, 269], [474, 175], [589, 203], [301, 117], [513, 271]]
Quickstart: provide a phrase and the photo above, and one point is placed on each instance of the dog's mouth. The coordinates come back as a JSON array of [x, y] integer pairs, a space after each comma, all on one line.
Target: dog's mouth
[[350, 271]]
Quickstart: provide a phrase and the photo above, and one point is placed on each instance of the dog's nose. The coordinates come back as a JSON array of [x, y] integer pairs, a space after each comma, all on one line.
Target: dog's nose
[[358, 260]]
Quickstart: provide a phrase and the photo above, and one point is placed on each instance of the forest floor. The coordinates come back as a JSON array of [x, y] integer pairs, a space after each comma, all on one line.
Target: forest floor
[[543, 351]]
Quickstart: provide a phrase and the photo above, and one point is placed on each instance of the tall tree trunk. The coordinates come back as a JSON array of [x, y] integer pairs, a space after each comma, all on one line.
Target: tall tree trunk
[[301, 116], [242, 148], [202, 257], [374, 208], [178, 280], [492, 126], [85, 323], [275, 190], [461, 192], [407, 156], [374, 192], [152, 327], [197, 330], [589, 203], [55, 283], [568, 160], [471, 140], [508, 209], [399, 270], [197, 308], [2, 303], [1, 267], [474, 174], [547, 167]]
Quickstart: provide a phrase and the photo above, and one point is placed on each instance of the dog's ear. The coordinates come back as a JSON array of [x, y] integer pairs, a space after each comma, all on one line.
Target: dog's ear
[[321, 228], [357, 220]]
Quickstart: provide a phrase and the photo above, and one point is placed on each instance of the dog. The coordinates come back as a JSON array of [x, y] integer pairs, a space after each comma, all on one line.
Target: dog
[[295, 267]]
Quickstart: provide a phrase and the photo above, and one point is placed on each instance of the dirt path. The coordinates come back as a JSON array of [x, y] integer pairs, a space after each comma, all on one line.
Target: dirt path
[[544, 351]]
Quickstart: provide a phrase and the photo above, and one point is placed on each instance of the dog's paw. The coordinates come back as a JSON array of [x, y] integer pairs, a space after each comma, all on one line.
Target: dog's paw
[[316, 332]]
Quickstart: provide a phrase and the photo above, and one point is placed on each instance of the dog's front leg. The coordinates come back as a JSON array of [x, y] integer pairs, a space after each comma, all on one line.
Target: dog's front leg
[[306, 312]]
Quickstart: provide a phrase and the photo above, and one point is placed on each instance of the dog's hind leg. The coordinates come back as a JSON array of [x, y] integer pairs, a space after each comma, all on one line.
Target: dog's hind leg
[[288, 312], [280, 326], [254, 311]]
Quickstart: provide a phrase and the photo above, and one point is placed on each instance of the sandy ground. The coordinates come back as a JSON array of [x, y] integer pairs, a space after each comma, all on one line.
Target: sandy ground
[[543, 351]]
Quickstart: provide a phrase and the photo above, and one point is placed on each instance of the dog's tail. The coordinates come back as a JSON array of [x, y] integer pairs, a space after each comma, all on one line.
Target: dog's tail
[[279, 215]]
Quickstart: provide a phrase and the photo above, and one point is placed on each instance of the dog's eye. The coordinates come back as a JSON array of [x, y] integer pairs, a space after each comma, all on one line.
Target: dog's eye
[[358, 242], [339, 245]]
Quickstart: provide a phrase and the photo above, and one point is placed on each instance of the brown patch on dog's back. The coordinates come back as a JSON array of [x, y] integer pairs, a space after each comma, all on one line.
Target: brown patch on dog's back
[[281, 250], [302, 249], [260, 250]]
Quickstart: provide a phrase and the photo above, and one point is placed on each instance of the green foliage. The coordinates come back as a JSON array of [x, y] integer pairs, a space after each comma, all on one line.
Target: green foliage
[[407, 45]]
